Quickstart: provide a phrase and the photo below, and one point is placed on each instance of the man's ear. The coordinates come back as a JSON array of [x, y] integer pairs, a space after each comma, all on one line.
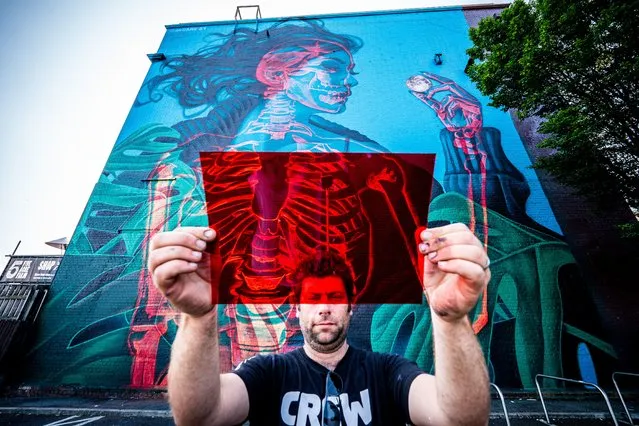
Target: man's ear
[[297, 311]]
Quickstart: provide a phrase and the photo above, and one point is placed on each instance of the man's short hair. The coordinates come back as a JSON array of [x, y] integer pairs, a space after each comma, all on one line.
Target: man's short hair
[[323, 263]]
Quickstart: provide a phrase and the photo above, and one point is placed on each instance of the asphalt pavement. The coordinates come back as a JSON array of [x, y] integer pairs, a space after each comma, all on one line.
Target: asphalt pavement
[[152, 409], [76, 420]]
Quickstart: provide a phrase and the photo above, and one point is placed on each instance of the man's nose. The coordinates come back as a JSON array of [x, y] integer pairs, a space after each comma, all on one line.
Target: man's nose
[[324, 308]]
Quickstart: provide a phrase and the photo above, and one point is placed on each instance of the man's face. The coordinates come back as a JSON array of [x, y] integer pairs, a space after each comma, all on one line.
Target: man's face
[[324, 312]]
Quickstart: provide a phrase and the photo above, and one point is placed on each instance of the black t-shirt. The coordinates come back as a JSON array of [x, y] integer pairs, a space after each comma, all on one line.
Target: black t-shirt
[[289, 389]]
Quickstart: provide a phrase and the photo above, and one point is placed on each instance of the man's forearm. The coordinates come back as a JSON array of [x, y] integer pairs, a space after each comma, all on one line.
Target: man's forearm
[[194, 376], [461, 376]]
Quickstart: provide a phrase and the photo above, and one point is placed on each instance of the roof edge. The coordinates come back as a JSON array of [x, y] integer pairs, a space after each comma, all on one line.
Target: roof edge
[[346, 15], [485, 6]]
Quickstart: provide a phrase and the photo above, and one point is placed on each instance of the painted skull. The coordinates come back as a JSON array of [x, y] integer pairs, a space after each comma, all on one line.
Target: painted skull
[[324, 82]]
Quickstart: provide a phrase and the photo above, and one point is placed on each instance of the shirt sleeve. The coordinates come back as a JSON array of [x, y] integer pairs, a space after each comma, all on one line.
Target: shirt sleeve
[[258, 376], [401, 373]]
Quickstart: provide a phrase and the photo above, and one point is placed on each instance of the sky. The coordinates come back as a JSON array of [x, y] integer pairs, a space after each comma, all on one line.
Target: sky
[[70, 72]]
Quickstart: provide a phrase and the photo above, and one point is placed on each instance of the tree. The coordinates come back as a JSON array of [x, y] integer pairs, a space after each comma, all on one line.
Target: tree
[[575, 64]]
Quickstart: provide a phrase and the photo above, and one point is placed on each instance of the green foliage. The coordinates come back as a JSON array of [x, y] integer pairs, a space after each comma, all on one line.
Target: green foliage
[[630, 230], [576, 65]]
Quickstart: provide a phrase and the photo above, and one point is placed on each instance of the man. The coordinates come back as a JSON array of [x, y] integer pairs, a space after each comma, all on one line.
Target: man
[[327, 381]]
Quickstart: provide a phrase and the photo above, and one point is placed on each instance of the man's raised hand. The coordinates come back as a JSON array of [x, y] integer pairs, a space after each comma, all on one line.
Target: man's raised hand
[[181, 268], [455, 270]]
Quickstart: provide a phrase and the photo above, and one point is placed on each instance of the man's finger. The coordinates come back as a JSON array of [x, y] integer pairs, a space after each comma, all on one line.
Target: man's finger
[[443, 230], [432, 241], [198, 231], [471, 253], [427, 271], [431, 274], [165, 254], [194, 238], [474, 274], [165, 274]]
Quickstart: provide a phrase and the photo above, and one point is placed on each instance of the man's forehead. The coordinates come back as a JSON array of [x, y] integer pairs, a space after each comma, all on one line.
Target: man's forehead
[[328, 284]]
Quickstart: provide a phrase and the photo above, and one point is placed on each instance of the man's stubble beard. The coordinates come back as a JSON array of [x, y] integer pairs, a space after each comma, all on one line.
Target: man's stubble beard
[[312, 338]]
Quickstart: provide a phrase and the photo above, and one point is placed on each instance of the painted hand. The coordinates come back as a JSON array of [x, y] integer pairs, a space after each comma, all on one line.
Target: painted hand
[[458, 110], [374, 181], [455, 270], [184, 271]]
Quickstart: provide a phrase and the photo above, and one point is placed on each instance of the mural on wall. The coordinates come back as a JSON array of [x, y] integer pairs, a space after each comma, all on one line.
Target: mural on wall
[[259, 133]]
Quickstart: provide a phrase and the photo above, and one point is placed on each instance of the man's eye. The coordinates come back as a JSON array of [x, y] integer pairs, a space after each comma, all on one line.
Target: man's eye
[[313, 297], [337, 296]]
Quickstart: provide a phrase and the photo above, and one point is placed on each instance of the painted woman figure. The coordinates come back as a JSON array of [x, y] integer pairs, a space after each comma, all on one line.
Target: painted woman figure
[[264, 91]]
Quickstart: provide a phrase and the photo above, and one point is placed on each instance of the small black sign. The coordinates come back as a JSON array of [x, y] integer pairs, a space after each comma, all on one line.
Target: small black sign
[[31, 269]]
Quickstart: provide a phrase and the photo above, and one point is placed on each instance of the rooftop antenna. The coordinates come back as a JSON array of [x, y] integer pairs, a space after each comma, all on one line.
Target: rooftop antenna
[[258, 16]]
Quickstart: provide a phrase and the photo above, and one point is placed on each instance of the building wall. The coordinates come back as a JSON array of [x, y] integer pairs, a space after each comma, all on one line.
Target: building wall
[[224, 88]]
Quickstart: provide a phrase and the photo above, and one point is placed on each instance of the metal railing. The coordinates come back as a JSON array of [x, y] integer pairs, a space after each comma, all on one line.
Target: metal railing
[[625, 407], [20, 304], [13, 300], [503, 402], [543, 404]]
